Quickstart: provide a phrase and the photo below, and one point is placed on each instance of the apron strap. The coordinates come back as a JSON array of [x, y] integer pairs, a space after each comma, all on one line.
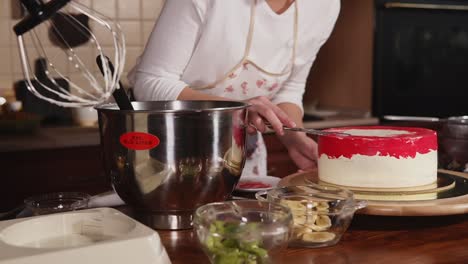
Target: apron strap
[[248, 46], [250, 38], [296, 31]]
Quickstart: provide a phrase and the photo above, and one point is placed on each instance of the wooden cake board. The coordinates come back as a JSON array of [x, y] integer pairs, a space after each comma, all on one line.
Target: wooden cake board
[[433, 207]]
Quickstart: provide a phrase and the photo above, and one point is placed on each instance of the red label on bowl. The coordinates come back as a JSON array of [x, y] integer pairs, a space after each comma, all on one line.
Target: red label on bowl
[[139, 141]]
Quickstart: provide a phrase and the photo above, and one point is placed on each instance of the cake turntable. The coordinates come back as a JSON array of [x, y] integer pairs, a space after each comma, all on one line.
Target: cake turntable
[[448, 197], [101, 235]]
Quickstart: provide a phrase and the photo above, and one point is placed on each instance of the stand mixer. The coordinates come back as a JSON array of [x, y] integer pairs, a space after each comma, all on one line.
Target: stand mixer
[[87, 89], [164, 158]]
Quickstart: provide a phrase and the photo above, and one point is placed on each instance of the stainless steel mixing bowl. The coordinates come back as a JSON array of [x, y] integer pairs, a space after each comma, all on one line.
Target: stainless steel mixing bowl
[[166, 158]]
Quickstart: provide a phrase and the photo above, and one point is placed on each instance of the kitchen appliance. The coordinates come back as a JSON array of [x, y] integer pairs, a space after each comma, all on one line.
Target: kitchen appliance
[[166, 158], [420, 51], [85, 88], [101, 235]]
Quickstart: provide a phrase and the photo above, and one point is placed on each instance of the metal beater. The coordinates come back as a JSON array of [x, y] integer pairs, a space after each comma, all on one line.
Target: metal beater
[[86, 86]]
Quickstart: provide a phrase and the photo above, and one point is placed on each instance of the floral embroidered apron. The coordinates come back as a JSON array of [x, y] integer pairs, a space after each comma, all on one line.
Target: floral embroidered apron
[[247, 80]]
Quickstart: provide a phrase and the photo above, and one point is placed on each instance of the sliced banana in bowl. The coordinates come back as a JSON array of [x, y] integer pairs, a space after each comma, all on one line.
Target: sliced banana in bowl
[[323, 221], [312, 224], [320, 214], [308, 215], [318, 237]]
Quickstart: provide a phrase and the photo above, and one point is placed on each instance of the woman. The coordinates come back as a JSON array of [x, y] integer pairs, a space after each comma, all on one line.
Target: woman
[[258, 51]]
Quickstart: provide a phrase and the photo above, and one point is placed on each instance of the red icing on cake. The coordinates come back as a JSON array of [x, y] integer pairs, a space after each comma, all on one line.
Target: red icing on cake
[[420, 140]]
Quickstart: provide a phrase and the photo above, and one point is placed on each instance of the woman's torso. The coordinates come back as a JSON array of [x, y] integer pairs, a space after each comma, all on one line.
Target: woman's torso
[[221, 46]]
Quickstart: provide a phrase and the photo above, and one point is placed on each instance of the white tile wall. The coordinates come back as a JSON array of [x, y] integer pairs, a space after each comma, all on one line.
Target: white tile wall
[[5, 9], [106, 7], [151, 9], [5, 62], [136, 18], [128, 9], [5, 32], [132, 31]]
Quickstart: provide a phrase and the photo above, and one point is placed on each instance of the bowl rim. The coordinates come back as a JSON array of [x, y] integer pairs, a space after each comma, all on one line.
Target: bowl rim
[[82, 200], [286, 216], [350, 203], [321, 188], [160, 107]]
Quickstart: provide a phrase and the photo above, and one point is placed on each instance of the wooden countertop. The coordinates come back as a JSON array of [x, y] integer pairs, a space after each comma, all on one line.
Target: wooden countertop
[[370, 239], [66, 137]]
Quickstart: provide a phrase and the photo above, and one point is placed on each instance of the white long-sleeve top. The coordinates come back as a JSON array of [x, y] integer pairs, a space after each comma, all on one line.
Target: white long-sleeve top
[[196, 42]]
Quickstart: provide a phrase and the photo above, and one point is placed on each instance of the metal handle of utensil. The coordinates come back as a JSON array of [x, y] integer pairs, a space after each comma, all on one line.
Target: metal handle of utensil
[[310, 131], [411, 118], [316, 131]]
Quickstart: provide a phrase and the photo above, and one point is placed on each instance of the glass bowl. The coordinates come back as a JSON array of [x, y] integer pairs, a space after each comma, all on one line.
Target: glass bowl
[[321, 214], [57, 202], [243, 231]]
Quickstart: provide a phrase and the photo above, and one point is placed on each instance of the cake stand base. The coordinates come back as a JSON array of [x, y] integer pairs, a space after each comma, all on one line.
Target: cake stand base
[[448, 198]]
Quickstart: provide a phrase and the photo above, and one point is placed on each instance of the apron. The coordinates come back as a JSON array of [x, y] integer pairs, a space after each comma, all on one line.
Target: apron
[[247, 80]]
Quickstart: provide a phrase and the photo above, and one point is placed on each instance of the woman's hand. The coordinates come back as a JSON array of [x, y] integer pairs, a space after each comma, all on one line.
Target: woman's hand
[[261, 110], [302, 150]]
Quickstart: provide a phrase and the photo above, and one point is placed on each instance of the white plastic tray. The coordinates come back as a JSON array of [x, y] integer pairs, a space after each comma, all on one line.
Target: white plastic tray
[[101, 235]]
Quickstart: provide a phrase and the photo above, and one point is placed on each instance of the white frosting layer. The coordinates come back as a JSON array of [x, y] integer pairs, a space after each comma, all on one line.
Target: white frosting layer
[[376, 132], [379, 171]]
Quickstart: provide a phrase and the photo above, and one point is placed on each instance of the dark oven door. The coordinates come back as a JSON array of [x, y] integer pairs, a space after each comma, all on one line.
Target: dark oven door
[[421, 58]]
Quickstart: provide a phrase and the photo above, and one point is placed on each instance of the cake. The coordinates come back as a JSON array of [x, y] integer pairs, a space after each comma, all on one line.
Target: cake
[[378, 157]]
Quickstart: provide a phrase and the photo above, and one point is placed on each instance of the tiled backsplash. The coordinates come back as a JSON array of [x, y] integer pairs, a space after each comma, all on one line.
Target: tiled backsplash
[[136, 18]]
